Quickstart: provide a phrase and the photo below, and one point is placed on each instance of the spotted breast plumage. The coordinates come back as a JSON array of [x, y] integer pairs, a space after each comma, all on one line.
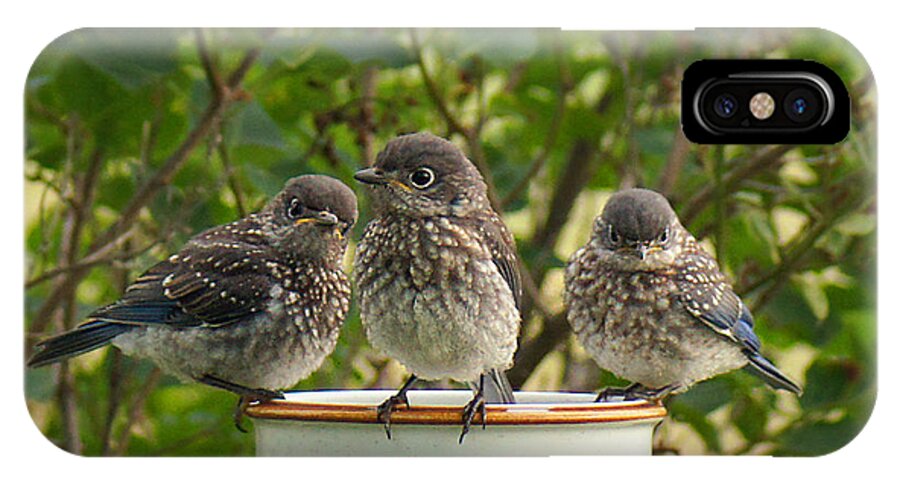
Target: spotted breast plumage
[[253, 306], [437, 273], [651, 306]]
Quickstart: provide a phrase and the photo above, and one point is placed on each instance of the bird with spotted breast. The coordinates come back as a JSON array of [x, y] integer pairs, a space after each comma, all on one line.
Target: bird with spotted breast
[[437, 274], [651, 306], [251, 307]]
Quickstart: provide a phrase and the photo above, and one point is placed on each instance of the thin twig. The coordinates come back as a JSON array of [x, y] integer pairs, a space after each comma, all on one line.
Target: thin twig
[[87, 262], [137, 410], [556, 329], [533, 291], [116, 376], [452, 123], [209, 64], [233, 183], [763, 159], [114, 400], [67, 399], [81, 190]]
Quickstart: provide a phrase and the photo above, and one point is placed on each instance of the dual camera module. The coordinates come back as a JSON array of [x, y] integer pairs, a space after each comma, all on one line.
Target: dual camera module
[[786, 103], [763, 101]]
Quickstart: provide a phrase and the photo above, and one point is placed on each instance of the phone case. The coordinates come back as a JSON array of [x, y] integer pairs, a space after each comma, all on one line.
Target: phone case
[[139, 139]]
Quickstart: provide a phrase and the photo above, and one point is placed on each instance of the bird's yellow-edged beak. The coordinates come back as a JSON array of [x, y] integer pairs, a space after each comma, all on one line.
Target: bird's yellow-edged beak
[[373, 176], [321, 218], [400, 184]]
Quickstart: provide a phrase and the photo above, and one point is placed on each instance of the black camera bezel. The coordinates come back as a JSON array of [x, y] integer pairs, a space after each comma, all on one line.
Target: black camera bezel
[[707, 80]]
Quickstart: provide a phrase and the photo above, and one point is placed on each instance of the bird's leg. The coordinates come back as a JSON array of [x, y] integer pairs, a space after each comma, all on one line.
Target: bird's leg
[[608, 394], [636, 391], [657, 394], [247, 395], [386, 409], [476, 405]]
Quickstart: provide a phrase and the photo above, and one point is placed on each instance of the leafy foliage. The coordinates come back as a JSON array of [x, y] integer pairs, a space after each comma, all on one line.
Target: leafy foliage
[[138, 139]]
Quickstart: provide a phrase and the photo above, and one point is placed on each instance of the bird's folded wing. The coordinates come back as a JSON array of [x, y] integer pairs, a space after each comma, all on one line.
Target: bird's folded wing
[[500, 243], [707, 296], [201, 286]]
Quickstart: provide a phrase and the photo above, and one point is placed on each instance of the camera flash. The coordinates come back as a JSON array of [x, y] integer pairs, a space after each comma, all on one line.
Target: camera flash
[[762, 105]]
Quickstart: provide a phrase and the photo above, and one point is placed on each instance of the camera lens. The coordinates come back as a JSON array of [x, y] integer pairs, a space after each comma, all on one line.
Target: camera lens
[[801, 105], [725, 105]]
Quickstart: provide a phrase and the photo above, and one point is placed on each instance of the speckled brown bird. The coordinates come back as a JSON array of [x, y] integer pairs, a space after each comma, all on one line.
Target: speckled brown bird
[[436, 272], [253, 306], [651, 306]]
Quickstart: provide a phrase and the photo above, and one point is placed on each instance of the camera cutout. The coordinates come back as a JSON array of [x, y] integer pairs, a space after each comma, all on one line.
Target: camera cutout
[[764, 101]]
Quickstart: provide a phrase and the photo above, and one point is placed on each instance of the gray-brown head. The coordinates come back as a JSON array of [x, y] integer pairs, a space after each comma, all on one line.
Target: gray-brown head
[[312, 210], [424, 175], [639, 228]]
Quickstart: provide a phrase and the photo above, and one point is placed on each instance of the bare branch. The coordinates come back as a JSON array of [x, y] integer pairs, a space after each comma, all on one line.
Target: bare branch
[[452, 123], [137, 410], [578, 171], [565, 85], [67, 399], [674, 163], [209, 64], [114, 399], [116, 376], [366, 125], [556, 329]]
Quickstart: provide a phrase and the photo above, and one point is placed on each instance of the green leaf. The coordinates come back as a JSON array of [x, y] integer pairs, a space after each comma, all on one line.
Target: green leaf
[[828, 383], [818, 438], [252, 126], [706, 396], [750, 417]]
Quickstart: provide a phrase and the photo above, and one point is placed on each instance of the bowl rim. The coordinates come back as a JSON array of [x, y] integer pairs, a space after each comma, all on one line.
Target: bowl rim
[[576, 412]]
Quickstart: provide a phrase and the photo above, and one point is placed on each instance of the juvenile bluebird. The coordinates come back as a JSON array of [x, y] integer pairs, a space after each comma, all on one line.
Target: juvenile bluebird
[[651, 306], [252, 307], [437, 274]]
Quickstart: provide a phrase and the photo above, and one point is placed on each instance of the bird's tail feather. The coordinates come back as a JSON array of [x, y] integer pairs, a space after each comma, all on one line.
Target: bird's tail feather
[[497, 388], [764, 369], [87, 337]]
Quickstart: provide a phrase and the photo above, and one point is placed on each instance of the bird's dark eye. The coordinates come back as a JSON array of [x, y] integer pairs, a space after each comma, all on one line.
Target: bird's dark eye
[[612, 234], [422, 177], [295, 209], [664, 236]]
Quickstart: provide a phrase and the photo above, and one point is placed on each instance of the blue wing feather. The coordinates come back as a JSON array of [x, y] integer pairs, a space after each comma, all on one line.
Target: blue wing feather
[[706, 294]]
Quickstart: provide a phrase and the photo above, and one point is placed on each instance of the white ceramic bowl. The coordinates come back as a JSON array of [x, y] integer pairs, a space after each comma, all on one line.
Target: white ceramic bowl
[[343, 423]]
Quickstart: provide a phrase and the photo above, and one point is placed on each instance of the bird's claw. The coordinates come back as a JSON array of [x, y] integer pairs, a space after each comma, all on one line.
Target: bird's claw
[[386, 409], [636, 391], [476, 405], [256, 395]]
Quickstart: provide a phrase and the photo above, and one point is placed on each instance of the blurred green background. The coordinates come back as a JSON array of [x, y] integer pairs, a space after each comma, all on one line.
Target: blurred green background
[[138, 139]]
